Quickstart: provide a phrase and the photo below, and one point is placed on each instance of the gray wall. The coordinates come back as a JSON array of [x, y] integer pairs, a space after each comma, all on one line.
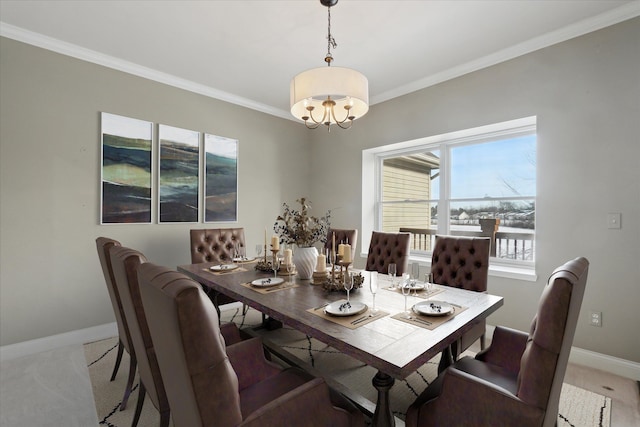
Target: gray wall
[[50, 278], [585, 92], [586, 95]]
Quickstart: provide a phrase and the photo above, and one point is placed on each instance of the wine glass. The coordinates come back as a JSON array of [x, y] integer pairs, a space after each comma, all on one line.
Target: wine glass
[[415, 276], [258, 250], [373, 286], [290, 266], [406, 291], [348, 285], [275, 265], [428, 280], [392, 273]]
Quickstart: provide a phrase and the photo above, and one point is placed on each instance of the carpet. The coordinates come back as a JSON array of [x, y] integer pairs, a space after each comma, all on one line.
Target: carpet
[[578, 407]]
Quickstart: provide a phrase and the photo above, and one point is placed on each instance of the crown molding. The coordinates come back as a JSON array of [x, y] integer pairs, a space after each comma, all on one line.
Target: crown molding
[[612, 17], [75, 51], [603, 20]]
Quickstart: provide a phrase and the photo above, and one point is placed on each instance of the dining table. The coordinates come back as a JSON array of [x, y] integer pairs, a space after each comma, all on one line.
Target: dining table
[[393, 341]]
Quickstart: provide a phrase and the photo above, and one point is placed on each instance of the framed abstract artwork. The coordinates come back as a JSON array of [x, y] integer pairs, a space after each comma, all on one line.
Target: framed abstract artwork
[[178, 175], [221, 179], [126, 170]]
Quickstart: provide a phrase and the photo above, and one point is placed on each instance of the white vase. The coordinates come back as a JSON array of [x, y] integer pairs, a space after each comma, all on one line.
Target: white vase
[[305, 261]]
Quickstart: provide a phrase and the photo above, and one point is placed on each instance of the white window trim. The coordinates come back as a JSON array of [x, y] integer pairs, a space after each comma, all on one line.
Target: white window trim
[[371, 186]]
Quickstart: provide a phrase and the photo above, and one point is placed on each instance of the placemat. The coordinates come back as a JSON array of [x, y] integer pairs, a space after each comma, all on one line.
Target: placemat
[[223, 272], [280, 287], [351, 322], [246, 261], [429, 322], [420, 294]]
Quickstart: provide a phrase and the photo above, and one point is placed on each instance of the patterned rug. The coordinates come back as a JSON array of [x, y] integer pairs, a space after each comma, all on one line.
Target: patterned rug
[[578, 407]]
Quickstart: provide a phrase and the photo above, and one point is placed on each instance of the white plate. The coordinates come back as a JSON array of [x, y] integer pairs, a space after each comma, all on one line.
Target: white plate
[[267, 282], [417, 286], [338, 308], [433, 308], [224, 267], [242, 259]]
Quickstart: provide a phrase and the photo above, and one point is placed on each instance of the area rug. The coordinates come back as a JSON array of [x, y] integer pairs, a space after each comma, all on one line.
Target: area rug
[[578, 407]]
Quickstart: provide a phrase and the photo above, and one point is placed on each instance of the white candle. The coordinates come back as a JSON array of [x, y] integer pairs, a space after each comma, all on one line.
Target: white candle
[[346, 254], [275, 242], [341, 249], [321, 263], [287, 256]]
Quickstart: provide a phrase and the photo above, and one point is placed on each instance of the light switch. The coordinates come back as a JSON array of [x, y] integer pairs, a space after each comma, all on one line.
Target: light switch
[[613, 220]]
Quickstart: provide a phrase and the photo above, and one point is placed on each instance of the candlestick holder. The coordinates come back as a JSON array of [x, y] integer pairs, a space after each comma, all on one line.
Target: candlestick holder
[[264, 264], [336, 281]]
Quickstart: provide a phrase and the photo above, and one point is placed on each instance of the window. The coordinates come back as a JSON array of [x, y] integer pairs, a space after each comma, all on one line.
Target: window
[[476, 182]]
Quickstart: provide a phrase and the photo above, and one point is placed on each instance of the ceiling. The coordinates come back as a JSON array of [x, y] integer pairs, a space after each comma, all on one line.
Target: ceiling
[[246, 52]]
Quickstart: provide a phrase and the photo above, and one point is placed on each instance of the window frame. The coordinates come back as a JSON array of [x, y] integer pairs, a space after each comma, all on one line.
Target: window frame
[[372, 205]]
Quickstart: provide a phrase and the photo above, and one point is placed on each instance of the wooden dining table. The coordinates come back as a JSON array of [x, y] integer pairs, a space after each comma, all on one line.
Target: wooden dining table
[[394, 346]]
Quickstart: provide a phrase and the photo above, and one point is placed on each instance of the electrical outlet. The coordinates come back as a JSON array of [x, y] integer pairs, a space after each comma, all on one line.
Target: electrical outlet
[[595, 318], [614, 220]]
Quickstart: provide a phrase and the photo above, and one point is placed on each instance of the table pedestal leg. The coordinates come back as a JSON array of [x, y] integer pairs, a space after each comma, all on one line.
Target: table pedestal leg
[[383, 416], [446, 359]]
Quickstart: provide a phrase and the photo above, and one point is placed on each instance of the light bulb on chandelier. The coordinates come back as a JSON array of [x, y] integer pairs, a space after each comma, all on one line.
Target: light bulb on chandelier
[[329, 95]]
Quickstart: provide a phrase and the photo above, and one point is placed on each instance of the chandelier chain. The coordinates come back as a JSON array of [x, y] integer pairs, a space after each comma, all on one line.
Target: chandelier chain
[[331, 42]]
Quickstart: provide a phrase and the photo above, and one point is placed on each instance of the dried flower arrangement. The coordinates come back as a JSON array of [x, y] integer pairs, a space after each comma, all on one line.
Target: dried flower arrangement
[[298, 227]]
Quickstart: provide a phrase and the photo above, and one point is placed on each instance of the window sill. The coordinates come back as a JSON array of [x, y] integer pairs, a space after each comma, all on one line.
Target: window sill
[[517, 273]]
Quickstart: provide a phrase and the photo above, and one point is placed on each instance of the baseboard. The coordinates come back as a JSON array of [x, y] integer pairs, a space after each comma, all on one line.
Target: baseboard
[[81, 336], [622, 367], [579, 356]]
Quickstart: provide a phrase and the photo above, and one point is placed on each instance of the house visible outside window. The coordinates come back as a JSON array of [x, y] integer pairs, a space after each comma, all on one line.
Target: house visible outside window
[[476, 182]]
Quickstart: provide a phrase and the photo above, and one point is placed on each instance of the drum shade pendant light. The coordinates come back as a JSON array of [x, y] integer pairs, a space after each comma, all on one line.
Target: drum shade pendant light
[[329, 95]]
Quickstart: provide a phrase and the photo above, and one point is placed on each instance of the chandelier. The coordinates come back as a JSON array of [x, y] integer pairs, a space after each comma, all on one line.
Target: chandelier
[[329, 95]]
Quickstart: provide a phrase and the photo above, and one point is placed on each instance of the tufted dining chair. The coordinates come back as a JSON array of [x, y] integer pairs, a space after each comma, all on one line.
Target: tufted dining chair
[[216, 245], [125, 262], [208, 384], [518, 379], [463, 262], [342, 236], [388, 248], [104, 244]]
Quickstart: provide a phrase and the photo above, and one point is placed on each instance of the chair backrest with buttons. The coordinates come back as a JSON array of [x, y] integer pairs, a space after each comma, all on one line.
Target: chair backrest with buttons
[[461, 262], [216, 244], [387, 248]]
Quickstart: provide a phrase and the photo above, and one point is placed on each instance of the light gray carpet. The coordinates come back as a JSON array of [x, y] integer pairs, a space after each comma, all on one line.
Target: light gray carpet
[[578, 407]]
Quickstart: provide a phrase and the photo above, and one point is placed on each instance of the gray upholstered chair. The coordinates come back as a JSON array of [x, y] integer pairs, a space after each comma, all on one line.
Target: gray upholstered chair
[[342, 236], [125, 263], [518, 379], [387, 248], [218, 245], [103, 245], [208, 384], [463, 262]]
